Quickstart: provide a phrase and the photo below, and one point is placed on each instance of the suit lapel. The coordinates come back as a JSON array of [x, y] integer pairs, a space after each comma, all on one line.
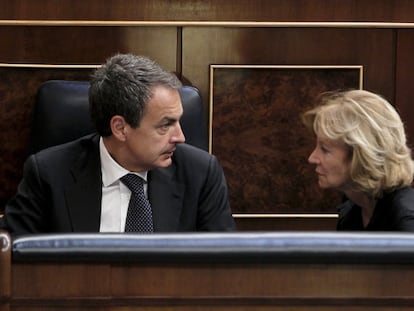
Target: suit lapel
[[166, 197], [83, 196]]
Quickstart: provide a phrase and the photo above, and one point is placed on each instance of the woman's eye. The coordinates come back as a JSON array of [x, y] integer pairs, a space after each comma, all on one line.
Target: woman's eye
[[324, 149]]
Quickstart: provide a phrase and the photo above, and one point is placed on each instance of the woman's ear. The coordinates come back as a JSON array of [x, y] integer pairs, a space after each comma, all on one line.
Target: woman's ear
[[118, 127]]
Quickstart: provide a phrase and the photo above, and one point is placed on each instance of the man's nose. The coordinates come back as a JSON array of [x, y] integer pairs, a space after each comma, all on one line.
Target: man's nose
[[178, 136]]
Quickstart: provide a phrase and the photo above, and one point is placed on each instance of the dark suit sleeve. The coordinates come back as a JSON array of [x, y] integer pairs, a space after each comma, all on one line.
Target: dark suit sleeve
[[214, 208], [25, 212], [403, 210]]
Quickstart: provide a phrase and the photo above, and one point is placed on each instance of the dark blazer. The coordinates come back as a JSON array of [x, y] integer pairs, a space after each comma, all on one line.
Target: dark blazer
[[61, 191], [393, 212]]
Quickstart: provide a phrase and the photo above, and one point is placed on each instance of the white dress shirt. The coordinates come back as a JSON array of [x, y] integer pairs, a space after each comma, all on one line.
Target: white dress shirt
[[115, 195]]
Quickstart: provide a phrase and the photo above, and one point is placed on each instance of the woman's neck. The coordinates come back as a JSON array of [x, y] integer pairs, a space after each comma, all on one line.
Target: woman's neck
[[366, 202]]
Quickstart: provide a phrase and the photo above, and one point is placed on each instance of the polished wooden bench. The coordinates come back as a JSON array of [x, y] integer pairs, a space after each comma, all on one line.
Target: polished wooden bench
[[5, 270], [207, 271]]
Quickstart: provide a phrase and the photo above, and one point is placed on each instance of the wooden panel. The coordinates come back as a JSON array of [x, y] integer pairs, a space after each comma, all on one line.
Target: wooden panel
[[404, 98], [233, 305], [219, 10], [287, 222], [86, 45], [18, 87], [257, 134], [302, 46], [290, 46], [286, 271], [5, 270], [54, 286], [260, 281], [58, 280]]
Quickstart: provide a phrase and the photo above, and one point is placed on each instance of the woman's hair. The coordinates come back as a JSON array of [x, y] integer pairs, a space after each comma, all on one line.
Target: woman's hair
[[372, 128], [123, 86]]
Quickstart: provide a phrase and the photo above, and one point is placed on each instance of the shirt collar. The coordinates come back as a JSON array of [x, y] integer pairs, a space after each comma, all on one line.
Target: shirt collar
[[111, 170]]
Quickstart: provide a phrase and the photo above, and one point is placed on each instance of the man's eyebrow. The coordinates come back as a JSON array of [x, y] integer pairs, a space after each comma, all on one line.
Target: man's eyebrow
[[168, 120]]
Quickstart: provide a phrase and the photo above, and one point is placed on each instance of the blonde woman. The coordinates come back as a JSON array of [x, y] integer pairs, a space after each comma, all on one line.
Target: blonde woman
[[361, 151]]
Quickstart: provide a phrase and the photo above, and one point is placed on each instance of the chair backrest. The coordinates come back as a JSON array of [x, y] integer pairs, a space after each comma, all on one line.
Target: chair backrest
[[61, 114]]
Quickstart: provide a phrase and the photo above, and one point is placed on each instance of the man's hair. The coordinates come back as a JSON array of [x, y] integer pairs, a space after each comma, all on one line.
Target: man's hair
[[372, 128], [123, 86]]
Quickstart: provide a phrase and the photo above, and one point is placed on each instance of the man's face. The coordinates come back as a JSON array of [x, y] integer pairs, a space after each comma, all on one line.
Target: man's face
[[152, 143]]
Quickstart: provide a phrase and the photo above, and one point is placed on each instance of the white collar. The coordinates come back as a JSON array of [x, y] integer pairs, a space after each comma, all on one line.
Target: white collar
[[111, 170]]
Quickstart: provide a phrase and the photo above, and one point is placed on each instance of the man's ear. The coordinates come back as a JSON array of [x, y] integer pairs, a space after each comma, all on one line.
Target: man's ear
[[118, 127]]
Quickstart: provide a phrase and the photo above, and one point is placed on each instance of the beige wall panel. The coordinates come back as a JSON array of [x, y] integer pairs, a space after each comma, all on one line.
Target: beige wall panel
[[86, 45], [371, 48]]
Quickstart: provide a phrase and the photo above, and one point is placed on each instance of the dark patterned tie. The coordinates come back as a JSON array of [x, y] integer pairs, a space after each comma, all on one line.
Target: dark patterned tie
[[139, 215]]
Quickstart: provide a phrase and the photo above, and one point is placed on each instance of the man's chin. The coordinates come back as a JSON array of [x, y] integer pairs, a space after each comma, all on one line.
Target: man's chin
[[165, 162]]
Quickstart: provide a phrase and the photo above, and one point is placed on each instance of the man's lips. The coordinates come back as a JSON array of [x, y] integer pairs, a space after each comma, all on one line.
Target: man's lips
[[169, 152]]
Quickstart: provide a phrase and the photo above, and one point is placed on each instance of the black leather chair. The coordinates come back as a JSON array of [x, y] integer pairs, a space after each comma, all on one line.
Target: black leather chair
[[61, 114]]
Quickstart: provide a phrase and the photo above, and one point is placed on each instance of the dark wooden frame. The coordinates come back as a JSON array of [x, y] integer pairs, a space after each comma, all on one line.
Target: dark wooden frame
[[256, 133]]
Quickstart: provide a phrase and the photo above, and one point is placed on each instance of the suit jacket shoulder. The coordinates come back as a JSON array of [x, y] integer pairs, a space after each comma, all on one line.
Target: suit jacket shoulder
[[191, 194], [60, 190]]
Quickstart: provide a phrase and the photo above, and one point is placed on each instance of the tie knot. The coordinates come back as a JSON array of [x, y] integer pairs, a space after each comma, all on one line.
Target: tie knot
[[133, 182]]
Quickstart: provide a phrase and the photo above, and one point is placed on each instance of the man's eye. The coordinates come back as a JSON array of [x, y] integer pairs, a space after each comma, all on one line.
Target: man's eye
[[165, 127]]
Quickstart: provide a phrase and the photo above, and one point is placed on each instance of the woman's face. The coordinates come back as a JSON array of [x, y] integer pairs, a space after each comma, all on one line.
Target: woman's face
[[333, 162]]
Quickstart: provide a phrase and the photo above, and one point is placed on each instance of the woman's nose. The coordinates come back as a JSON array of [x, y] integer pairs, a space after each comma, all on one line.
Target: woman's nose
[[313, 159]]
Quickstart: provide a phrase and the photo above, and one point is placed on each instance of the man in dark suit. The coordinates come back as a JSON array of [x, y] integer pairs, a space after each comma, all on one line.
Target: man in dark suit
[[77, 187]]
